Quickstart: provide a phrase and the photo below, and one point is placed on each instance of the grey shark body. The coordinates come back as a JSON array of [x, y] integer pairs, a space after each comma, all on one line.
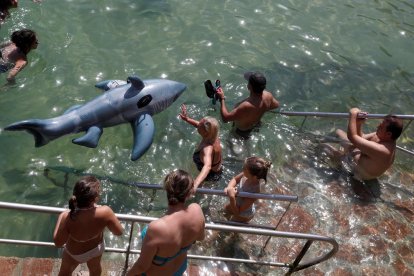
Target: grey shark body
[[131, 102]]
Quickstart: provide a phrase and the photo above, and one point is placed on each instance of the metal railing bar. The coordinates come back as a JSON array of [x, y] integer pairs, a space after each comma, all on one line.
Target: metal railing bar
[[211, 226], [405, 150], [346, 115], [235, 223], [341, 115], [123, 251], [290, 198], [25, 242]]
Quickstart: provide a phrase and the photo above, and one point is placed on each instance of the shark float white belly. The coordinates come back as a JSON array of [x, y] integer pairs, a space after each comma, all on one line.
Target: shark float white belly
[[134, 102]]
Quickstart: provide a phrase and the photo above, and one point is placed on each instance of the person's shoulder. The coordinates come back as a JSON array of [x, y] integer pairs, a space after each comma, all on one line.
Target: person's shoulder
[[195, 207], [158, 227], [104, 210], [391, 145], [65, 214]]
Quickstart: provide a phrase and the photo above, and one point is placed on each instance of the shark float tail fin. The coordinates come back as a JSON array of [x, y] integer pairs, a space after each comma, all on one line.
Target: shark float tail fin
[[35, 127]]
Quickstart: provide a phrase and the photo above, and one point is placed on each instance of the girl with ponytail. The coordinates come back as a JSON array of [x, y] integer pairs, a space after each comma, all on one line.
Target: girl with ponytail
[[255, 171], [80, 230]]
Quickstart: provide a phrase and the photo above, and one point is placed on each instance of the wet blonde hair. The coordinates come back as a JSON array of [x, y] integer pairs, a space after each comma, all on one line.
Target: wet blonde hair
[[85, 191], [211, 125], [178, 185], [257, 166]]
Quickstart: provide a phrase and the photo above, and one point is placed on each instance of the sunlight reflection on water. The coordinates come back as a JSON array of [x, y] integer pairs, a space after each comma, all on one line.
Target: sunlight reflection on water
[[317, 56]]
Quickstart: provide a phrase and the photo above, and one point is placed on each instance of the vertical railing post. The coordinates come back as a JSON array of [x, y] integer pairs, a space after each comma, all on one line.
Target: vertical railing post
[[277, 225], [128, 250], [299, 257], [303, 122]]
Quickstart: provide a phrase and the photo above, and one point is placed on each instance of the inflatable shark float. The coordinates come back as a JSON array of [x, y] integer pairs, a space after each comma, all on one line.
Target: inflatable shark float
[[133, 101]]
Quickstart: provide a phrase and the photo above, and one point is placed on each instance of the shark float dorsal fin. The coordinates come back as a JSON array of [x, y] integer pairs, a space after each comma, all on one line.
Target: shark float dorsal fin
[[143, 128], [136, 82]]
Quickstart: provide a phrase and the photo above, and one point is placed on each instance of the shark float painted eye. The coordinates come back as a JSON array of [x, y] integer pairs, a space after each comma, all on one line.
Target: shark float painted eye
[[144, 101]]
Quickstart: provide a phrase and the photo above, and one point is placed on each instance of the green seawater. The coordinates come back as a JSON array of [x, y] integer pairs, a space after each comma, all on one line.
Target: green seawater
[[317, 55]]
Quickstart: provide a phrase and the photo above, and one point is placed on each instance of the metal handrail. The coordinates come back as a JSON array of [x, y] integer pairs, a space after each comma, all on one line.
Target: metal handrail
[[141, 185], [295, 266], [341, 115], [345, 116]]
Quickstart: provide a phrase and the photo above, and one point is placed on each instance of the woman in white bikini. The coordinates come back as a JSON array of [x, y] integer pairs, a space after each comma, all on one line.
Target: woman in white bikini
[[80, 230]]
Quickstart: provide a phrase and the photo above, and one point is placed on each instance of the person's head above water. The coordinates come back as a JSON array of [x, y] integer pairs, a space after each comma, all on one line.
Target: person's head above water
[[257, 167], [85, 194], [25, 40], [208, 127], [5, 5], [178, 185], [392, 126], [256, 81]]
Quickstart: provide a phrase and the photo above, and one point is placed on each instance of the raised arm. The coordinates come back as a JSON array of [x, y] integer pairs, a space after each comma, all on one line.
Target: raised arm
[[184, 116], [354, 124], [240, 111], [356, 137]]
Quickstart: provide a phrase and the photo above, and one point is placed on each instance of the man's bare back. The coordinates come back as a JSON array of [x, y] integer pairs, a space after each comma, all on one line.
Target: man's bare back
[[247, 114], [254, 107]]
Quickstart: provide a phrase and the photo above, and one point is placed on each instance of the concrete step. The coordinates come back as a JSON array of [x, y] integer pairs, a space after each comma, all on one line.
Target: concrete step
[[13, 266]]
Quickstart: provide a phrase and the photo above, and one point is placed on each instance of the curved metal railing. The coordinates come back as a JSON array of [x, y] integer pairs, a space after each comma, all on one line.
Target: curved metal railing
[[296, 265]]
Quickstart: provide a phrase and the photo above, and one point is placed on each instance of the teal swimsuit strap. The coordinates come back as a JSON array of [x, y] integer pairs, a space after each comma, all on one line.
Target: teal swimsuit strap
[[161, 261]]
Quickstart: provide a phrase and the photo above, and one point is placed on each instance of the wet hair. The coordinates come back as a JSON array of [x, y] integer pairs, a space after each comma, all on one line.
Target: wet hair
[[211, 125], [85, 192], [394, 125], [5, 5], [178, 185], [257, 166], [24, 39], [257, 82]]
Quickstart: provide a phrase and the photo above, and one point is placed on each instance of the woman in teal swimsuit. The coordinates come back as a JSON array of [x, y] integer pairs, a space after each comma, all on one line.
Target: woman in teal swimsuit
[[207, 156], [80, 230], [167, 240]]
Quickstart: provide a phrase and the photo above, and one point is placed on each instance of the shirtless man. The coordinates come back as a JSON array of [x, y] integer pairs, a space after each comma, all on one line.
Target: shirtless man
[[247, 114], [372, 154]]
